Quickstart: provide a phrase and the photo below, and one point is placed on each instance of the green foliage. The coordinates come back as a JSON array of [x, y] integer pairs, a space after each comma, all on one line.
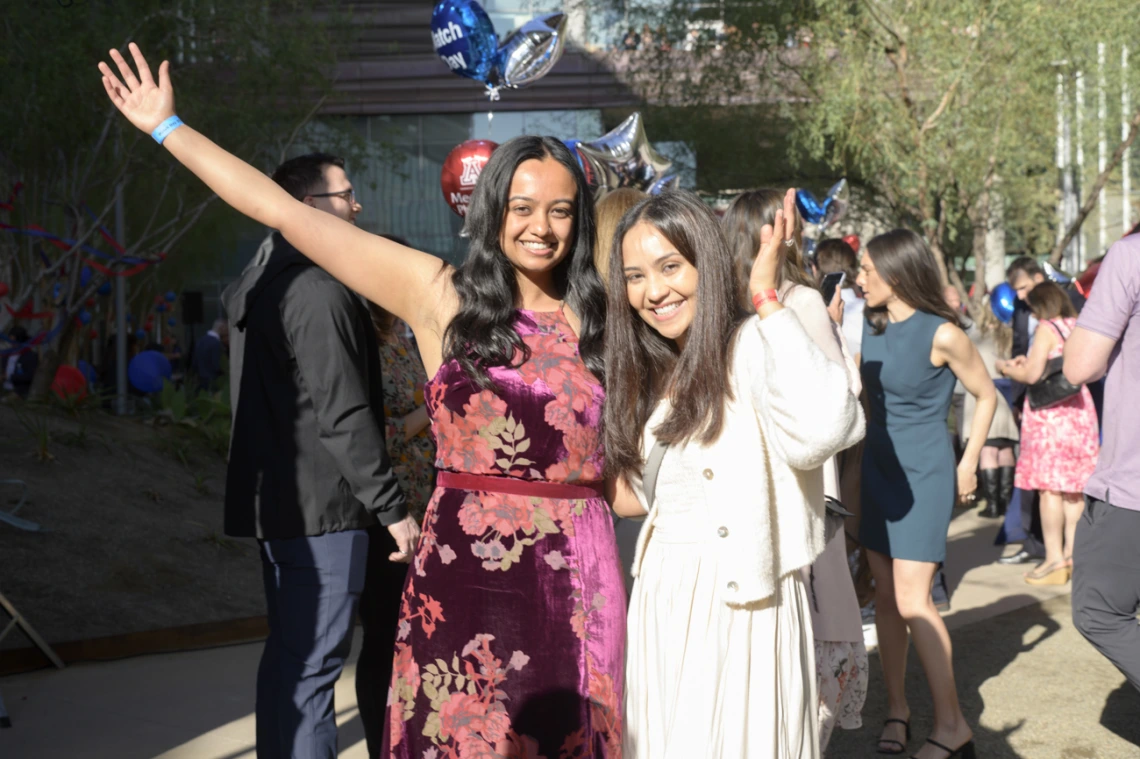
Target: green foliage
[[249, 73], [205, 412], [36, 426], [931, 109]]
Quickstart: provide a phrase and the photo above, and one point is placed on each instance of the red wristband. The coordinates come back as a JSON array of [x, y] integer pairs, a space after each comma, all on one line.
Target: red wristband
[[763, 297]]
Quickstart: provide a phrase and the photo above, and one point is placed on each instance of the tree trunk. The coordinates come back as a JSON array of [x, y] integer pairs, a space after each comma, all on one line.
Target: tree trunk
[[51, 360]]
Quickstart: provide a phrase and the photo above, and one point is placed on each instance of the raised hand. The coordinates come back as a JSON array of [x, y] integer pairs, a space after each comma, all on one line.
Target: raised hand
[[144, 103], [766, 268]]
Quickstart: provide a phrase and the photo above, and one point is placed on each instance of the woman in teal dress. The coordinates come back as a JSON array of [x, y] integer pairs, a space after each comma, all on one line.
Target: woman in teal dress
[[913, 352]]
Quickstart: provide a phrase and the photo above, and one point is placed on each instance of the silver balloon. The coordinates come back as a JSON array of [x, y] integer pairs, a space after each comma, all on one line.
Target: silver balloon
[[1055, 274], [835, 204], [666, 182], [530, 52], [624, 158]]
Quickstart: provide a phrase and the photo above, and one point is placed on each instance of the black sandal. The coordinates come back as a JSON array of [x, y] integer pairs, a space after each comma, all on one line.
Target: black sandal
[[965, 751], [901, 746]]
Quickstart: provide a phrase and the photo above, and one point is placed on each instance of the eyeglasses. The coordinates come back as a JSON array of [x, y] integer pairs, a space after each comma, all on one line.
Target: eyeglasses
[[348, 195]]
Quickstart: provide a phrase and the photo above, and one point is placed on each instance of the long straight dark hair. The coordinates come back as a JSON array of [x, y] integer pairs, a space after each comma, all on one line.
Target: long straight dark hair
[[905, 262], [742, 222], [643, 366], [482, 334]]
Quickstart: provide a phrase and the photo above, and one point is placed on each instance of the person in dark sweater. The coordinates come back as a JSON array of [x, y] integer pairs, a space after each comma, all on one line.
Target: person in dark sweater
[[206, 367], [309, 475]]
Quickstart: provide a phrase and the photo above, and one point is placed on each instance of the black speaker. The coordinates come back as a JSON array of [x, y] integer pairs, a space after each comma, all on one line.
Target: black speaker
[[191, 308]]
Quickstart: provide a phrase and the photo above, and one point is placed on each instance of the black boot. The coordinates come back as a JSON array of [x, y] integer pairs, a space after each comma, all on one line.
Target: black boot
[[1005, 489], [990, 485]]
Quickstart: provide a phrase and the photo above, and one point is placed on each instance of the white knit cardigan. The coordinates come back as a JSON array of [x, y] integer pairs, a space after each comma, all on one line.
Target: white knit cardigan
[[792, 410]]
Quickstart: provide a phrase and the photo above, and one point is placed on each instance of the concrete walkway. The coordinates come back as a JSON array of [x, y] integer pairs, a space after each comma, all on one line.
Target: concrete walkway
[[1032, 686]]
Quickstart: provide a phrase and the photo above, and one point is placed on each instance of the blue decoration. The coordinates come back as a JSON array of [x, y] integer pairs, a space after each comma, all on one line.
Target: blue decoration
[[464, 38], [105, 288], [88, 371], [130, 319], [56, 292], [85, 276], [170, 296], [1002, 299], [84, 317], [147, 370], [140, 334], [161, 307], [172, 322], [810, 208]]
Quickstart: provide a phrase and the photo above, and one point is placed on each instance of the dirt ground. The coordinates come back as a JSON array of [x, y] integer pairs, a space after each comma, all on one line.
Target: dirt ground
[[133, 529]]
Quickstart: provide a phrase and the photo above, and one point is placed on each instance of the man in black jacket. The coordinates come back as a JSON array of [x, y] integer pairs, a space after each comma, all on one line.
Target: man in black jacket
[[309, 474]]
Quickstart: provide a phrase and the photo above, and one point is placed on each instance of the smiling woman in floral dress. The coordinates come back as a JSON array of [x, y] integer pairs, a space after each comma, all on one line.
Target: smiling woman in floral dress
[[512, 631]]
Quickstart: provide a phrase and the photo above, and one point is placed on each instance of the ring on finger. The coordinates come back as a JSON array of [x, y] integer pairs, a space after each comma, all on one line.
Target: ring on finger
[[790, 242]]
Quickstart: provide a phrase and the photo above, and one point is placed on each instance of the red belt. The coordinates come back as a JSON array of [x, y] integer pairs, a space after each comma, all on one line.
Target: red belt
[[515, 486]]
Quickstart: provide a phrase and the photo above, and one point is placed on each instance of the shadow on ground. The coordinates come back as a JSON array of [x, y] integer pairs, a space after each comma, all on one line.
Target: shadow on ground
[[979, 655]]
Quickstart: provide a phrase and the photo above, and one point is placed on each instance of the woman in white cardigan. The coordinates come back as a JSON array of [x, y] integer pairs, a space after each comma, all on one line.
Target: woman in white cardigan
[[720, 661], [841, 661]]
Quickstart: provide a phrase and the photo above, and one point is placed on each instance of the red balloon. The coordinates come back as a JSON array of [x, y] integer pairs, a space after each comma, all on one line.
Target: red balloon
[[853, 241], [91, 303], [166, 340], [3, 289], [69, 381], [159, 299], [461, 171], [93, 334]]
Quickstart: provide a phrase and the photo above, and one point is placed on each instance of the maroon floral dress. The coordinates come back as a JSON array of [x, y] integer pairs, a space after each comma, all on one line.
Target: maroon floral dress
[[512, 631]]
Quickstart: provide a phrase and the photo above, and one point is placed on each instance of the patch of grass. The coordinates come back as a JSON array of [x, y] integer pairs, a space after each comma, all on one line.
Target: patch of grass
[[200, 485], [36, 425], [222, 543], [153, 495], [74, 439]]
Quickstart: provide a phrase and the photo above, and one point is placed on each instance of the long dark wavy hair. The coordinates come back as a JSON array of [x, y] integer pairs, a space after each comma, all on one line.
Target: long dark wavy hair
[[482, 334], [643, 366], [905, 262]]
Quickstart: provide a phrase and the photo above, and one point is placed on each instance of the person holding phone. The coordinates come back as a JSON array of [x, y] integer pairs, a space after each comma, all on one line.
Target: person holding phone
[[834, 256], [841, 657]]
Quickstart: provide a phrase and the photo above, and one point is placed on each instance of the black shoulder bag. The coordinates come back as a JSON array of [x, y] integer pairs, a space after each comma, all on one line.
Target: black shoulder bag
[[1052, 388]]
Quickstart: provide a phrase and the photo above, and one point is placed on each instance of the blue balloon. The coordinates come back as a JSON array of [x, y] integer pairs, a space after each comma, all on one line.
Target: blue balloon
[[87, 371], [140, 334], [104, 289], [810, 208], [160, 307], [147, 370], [464, 38], [170, 296], [85, 276], [172, 322], [130, 319], [85, 317], [1002, 299]]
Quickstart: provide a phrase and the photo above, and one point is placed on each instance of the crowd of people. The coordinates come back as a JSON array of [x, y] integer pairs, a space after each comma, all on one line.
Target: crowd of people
[[442, 450]]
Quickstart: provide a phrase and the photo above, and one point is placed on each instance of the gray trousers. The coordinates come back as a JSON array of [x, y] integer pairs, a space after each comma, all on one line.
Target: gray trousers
[[1106, 583]]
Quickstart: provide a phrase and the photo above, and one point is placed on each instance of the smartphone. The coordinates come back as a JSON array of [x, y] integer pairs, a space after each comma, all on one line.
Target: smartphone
[[831, 282]]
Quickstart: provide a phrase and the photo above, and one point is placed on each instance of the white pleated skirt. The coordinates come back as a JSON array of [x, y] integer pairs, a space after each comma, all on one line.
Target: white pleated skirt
[[707, 680]]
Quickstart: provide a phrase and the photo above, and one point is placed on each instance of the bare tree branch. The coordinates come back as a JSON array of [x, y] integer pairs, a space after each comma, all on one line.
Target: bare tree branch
[[1094, 191]]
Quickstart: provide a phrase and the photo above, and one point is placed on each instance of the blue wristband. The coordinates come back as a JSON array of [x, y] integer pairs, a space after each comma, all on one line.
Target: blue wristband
[[163, 130]]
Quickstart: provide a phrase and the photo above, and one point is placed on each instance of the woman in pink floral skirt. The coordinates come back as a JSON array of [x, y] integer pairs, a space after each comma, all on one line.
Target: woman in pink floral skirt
[[1059, 444]]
